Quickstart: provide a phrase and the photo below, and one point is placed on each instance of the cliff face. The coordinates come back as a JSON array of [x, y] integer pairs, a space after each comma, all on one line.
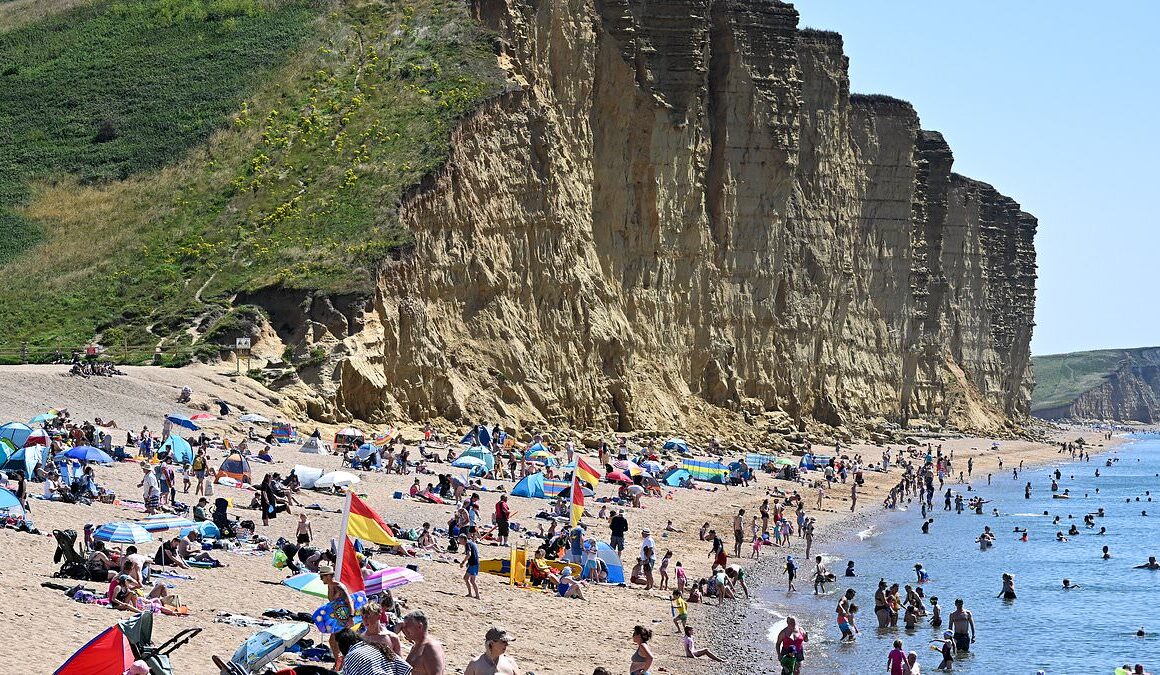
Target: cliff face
[[678, 213], [1125, 388]]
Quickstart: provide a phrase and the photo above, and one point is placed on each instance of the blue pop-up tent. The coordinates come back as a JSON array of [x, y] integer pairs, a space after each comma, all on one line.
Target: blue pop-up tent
[[532, 485], [612, 561], [676, 477], [16, 432], [25, 459], [178, 448]]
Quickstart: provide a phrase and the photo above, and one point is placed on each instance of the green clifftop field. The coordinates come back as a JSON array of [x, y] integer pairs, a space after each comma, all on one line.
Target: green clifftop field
[[159, 157], [1119, 384]]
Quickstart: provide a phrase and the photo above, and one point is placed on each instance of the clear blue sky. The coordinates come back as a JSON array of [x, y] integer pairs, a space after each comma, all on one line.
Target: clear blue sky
[[1056, 105]]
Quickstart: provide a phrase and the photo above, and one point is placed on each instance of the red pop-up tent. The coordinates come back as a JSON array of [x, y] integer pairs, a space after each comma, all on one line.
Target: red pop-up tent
[[107, 654]]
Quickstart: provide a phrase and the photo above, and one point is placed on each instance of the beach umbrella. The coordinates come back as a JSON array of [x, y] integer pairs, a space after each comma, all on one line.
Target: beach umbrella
[[481, 453], [87, 453], [255, 418], [8, 501], [308, 583], [182, 421], [164, 521], [539, 454], [465, 462], [202, 417], [628, 467], [617, 477], [205, 529], [537, 447], [122, 533], [263, 647], [677, 444], [350, 432], [652, 466], [337, 479], [392, 577], [42, 418], [38, 437]]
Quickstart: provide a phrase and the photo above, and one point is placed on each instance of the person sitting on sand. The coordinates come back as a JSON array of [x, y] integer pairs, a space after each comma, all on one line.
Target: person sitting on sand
[[691, 650], [374, 630], [189, 548], [569, 587], [126, 595]]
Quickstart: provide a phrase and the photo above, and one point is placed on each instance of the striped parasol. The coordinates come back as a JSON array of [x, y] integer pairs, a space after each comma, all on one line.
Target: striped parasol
[[165, 521], [122, 533], [392, 577], [630, 468]]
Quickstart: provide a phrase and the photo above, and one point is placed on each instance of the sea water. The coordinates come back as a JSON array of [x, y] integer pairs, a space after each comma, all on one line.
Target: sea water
[[1088, 630]]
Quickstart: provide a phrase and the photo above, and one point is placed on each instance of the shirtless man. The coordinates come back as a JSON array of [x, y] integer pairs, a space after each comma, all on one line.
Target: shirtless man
[[336, 591], [375, 632], [963, 625], [494, 660], [738, 532], [426, 655]]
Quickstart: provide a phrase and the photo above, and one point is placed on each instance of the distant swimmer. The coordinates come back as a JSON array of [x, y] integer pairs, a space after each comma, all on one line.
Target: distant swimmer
[[1107, 554], [1027, 490], [1067, 585], [1059, 536], [1103, 530], [1150, 565], [1008, 592]]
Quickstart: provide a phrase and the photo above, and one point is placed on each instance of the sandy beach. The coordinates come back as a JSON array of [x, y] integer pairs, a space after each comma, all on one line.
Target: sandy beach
[[553, 635]]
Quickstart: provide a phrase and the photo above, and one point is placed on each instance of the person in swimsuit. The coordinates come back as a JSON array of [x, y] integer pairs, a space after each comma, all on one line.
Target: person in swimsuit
[[1008, 592], [881, 609], [963, 625], [845, 615], [691, 650], [790, 645], [790, 571], [642, 658], [947, 649]]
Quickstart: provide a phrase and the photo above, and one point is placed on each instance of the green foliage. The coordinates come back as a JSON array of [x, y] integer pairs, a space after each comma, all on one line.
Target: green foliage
[[297, 188]]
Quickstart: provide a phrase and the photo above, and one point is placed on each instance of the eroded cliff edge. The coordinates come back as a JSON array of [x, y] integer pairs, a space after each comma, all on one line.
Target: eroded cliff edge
[[678, 215]]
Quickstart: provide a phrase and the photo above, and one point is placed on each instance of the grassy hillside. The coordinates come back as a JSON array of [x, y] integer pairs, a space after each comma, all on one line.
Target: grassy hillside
[[1061, 378], [159, 156]]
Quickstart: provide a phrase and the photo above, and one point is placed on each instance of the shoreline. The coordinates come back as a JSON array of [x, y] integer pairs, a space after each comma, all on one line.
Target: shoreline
[[741, 629]]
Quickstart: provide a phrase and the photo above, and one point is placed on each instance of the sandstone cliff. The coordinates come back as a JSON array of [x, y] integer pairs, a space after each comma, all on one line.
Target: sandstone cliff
[[1116, 384], [678, 214]]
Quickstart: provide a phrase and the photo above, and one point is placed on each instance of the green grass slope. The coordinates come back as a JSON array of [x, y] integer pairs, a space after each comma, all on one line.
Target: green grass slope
[[157, 157], [1061, 378]]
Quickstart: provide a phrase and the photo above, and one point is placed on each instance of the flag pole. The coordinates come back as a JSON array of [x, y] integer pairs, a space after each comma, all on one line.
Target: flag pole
[[342, 533]]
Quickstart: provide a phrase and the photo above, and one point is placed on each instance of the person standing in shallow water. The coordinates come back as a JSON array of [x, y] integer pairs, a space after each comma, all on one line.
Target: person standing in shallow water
[[1008, 592], [962, 623]]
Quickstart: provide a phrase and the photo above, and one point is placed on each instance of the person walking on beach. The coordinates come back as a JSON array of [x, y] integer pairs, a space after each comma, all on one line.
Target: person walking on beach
[[790, 571], [963, 625], [494, 660], [471, 563], [853, 496], [790, 646], [738, 532]]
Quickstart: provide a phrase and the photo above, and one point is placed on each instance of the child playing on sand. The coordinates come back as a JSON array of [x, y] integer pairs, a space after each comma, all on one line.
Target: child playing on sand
[[680, 577], [680, 612], [304, 532], [665, 570]]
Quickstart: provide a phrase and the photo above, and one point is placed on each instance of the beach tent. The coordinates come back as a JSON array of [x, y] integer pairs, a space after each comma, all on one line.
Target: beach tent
[[677, 444], [237, 467], [6, 450], [284, 432], [481, 453], [532, 485], [38, 437], [675, 477], [307, 475], [612, 561], [107, 654], [25, 459], [178, 448], [349, 436], [16, 432], [9, 502], [811, 462], [314, 446], [707, 470]]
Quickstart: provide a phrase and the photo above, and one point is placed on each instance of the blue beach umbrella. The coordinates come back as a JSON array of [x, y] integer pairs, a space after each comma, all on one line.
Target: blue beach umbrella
[[9, 501], [182, 421], [42, 418], [87, 453], [263, 647], [16, 432], [677, 444], [366, 450], [466, 462], [122, 533]]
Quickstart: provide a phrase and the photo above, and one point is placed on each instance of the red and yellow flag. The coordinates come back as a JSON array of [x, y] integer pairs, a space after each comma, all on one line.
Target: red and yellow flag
[[350, 574], [577, 499], [586, 473], [363, 523]]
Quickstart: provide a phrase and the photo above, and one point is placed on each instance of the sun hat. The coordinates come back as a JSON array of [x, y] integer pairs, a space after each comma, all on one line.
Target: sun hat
[[323, 570], [498, 634]]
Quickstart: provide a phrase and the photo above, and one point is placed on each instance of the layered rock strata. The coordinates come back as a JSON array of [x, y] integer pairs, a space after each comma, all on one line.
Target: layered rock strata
[[678, 213], [1130, 391]]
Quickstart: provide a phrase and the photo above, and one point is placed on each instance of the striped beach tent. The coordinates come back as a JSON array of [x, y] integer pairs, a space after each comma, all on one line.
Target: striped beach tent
[[707, 470]]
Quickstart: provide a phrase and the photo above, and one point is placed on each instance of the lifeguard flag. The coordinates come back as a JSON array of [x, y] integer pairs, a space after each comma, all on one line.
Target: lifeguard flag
[[577, 500], [587, 473], [363, 523], [351, 573]]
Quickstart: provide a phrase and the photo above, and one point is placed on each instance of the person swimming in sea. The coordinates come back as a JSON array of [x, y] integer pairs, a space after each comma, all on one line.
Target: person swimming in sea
[[1067, 585], [919, 572], [1059, 536], [1107, 555], [1150, 565]]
